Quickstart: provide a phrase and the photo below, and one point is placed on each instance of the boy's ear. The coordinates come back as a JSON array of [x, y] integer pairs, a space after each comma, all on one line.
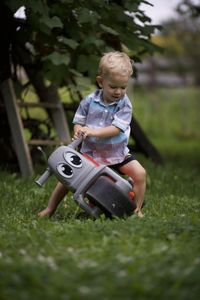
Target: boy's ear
[[99, 80]]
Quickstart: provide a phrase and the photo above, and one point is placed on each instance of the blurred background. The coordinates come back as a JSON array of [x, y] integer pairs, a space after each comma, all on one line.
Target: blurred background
[[177, 64], [167, 82]]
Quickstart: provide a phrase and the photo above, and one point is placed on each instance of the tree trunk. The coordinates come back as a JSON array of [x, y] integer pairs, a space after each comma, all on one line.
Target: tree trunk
[[143, 144], [8, 158]]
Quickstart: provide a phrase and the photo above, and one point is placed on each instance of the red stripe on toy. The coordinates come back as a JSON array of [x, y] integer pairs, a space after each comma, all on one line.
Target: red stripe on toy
[[91, 159]]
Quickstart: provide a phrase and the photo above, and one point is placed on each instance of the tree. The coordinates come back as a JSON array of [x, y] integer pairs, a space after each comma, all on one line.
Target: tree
[[61, 40], [60, 36]]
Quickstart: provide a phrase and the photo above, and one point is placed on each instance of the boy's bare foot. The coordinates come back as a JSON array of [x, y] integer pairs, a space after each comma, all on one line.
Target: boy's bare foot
[[45, 213], [139, 213]]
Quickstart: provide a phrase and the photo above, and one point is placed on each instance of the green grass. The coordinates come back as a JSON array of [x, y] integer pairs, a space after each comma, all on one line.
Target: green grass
[[68, 257], [170, 117]]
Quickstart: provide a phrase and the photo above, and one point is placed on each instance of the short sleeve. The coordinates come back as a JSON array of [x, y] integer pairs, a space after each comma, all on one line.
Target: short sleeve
[[122, 118], [81, 113]]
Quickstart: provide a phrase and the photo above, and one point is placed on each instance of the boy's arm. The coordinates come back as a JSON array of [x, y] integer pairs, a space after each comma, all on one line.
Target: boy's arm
[[97, 132]]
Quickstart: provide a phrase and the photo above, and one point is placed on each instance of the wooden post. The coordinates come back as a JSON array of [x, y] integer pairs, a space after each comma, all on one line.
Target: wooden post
[[60, 123], [21, 147]]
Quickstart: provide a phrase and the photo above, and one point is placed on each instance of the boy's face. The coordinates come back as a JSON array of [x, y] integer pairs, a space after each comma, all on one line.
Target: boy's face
[[114, 86]]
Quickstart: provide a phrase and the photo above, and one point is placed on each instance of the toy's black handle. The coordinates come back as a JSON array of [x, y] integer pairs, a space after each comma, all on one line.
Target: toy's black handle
[[92, 211], [75, 143]]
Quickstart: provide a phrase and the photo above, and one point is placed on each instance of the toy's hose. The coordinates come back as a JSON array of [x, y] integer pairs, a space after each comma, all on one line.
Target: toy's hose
[[43, 178], [75, 143]]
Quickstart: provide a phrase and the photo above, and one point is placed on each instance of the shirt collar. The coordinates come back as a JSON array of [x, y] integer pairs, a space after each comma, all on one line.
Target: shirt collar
[[99, 98]]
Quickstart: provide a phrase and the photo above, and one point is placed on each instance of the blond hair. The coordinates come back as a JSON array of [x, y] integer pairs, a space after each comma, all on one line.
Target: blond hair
[[113, 62]]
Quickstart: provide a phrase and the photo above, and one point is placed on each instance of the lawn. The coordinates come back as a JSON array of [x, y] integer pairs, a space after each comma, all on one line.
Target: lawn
[[71, 257]]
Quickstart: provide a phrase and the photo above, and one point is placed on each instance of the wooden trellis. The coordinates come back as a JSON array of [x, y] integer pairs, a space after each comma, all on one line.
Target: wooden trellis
[[17, 129]]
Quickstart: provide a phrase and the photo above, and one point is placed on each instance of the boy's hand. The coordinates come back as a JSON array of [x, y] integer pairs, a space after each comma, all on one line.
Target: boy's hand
[[77, 132], [86, 131], [82, 131], [76, 135]]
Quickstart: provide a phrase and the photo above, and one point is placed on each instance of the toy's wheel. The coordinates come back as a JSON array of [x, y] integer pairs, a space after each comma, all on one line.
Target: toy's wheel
[[105, 194]]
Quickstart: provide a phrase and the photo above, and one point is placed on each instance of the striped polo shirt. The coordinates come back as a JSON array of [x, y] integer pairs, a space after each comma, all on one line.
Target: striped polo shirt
[[93, 112]]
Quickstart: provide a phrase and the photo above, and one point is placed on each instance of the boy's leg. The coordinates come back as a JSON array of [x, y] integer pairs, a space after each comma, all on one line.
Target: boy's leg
[[58, 194], [138, 174]]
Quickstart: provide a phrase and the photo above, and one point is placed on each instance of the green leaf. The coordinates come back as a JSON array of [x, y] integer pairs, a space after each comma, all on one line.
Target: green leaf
[[37, 6], [108, 29], [83, 15], [131, 7], [74, 72], [15, 4], [87, 16], [55, 74], [57, 58], [69, 42], [82, 63], [52, 22], [147, 2], [143, 18], [92, 40], [93, 65]]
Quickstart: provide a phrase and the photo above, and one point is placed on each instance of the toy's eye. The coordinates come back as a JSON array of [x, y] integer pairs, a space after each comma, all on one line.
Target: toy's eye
[[65, 170], [73, 159]]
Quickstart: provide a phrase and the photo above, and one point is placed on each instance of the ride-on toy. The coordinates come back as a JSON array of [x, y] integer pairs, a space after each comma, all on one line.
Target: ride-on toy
[[97, 188]]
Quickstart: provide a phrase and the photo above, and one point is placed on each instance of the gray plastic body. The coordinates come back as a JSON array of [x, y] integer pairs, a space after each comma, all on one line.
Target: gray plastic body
[[79, 173]]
